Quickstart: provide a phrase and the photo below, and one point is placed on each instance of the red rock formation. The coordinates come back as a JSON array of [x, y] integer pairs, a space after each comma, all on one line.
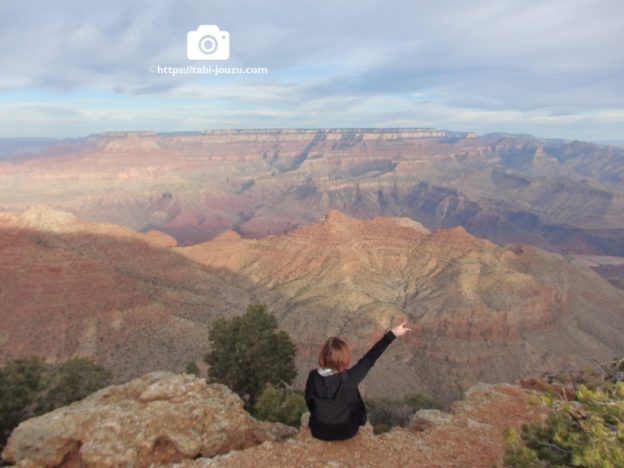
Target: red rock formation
[[72, 288], [481, 312]]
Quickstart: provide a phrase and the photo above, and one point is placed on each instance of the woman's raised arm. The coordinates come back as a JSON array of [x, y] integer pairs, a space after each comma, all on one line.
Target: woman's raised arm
[[359, 371]]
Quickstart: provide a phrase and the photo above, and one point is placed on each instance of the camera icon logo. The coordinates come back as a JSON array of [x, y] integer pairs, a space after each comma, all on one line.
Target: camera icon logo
[[208, 43]]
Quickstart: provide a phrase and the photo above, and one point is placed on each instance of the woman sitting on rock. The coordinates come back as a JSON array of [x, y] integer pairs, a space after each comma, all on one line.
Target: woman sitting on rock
[[332, 396]]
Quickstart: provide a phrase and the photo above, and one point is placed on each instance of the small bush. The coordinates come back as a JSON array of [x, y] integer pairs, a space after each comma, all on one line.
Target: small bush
[[21, 382], [72, 381], [280, 405], [587, 430], [191, 368]]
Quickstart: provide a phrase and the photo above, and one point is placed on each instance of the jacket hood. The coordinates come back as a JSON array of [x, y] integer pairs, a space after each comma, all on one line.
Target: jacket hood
[[327, 387], [324, 372]]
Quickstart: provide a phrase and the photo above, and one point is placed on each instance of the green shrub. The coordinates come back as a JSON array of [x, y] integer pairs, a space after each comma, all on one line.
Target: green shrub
[[280, 405], [586, 431], [29, 387], [249, 352], [72, 381], [21, 381], [191, 368]]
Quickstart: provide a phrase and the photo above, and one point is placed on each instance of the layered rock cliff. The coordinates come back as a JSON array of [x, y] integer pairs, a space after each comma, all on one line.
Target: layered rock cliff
[[565, 196], [137, 303]]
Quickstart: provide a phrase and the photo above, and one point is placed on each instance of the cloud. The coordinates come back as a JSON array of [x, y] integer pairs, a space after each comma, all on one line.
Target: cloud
[[522, 64]]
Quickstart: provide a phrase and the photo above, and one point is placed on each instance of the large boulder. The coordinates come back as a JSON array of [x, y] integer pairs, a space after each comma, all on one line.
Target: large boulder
[[158, 418]]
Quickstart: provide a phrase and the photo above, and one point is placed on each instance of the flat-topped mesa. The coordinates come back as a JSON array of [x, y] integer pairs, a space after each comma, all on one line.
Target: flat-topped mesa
[[146, 133], [323, 140], [371, 132]]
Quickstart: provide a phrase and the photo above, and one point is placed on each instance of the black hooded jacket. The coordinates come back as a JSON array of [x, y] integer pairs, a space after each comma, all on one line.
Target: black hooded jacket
[[336, 407]]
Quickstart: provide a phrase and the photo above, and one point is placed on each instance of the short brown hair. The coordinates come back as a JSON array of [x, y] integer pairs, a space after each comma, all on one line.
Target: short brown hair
[[335, 354]]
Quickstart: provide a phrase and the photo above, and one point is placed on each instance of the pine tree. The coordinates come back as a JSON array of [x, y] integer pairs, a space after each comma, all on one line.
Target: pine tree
[[249, 352]]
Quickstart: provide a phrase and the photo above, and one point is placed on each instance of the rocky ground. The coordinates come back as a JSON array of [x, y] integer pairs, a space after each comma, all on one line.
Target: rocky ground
[[162, 419]]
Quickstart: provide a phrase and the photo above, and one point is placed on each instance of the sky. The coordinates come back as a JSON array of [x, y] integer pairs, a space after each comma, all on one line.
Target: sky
[[550, 68]]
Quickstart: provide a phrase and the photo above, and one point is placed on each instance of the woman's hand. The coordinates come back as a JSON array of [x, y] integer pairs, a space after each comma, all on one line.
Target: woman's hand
[[401, 330]]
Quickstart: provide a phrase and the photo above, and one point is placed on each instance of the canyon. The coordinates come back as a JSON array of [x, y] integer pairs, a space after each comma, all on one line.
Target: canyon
[[138, 302], [563, 196]]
